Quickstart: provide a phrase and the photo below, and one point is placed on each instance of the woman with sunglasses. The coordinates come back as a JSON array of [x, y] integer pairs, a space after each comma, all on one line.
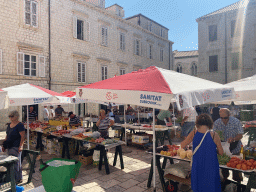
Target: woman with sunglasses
[[15, 135]]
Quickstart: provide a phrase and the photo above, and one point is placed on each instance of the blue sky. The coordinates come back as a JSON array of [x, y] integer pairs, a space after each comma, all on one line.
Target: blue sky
[[177, 15]]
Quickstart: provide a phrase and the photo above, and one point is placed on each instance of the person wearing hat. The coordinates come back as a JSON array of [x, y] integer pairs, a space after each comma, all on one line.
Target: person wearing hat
[[59, 110], [74, 120]]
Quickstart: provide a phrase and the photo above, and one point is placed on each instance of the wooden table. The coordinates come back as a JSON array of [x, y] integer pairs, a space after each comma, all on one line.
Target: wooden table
[[251, 181], [9, 162]]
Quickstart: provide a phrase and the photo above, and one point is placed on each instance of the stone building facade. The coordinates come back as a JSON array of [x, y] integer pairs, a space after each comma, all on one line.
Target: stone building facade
[[227, 43], [70, 43], [186, 62]]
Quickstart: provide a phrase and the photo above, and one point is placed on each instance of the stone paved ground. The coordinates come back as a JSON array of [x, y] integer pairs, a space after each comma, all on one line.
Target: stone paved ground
[[131, 179]]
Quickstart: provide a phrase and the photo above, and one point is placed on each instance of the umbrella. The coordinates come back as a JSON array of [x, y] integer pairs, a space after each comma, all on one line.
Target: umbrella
[[3, 99], [156, 87], [28, 94]]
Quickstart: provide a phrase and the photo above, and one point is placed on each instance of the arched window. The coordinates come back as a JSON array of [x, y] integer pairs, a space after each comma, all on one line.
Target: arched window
[[179, 68], [194, 69]]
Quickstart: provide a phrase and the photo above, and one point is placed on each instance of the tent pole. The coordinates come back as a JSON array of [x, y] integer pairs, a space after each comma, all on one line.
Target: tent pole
[[154, 152], [27, 128], [125, 126], [174, 118]]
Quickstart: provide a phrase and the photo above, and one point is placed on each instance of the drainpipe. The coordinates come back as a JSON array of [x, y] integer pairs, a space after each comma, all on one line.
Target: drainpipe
[[226, 59], [49, 12]]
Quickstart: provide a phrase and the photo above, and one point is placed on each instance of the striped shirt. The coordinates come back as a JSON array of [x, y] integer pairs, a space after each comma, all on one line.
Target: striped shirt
[[32, 116], [104, 123], [231, 130], [75, 120]]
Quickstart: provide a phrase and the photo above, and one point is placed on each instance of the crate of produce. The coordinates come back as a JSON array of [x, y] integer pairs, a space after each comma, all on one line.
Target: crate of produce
[[85, 160], [140, 139]]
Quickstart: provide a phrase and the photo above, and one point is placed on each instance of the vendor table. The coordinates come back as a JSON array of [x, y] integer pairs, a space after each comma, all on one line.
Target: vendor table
[[9, 162], [251, 182], [161, 133]]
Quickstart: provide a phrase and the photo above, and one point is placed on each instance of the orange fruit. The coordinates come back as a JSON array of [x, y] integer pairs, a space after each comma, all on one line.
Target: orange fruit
[[236, 162], [233, 165], [238, 166], [254, 163], [244, 167], [229, 164], [249, 163]]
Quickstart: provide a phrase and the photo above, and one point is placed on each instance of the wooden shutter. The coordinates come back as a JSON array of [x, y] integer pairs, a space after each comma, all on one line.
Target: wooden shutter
[[83, 72], [87, 30], [34, 14], [1, 61], [141, 49], [41, 66], [106, 36], [102, 36], [20, 63], [123, 42], [75, 27], [134, 46], [79, 71]]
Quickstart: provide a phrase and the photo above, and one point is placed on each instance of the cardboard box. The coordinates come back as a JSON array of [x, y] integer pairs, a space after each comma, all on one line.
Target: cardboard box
[[140, 139], [85, 160]]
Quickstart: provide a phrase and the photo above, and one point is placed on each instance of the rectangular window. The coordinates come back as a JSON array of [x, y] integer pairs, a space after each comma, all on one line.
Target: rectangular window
[[150, 25], [161, 32], [233, 27], [122, 41], [137, 47], [81, 72], [31, 13], [213, 63], [212, 32], [104, 72], [29, 65], [235, 61], [104, 36], [150, 51], [80, 29], [122, 71], [161, 54]]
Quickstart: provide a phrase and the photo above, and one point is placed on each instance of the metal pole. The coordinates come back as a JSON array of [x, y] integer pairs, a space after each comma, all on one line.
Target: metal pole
[[27, 128], [226, 59], [125, 126], [154, 151]]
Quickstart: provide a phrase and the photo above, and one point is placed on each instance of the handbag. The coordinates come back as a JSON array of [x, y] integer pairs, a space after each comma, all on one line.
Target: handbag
[[198, 147]]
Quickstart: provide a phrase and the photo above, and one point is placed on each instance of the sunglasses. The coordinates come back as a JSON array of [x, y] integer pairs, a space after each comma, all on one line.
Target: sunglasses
[[11, 116], [224, 117]]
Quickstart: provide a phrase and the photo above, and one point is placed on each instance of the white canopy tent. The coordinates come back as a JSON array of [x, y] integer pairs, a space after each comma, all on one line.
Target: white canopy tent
[[245, 91], [28, 94], [156, 88], [4, 102]]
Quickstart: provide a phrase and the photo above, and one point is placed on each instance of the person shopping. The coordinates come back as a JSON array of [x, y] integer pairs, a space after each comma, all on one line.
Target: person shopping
[[165, 114], [104, 123], [15, 135], [205, 176]]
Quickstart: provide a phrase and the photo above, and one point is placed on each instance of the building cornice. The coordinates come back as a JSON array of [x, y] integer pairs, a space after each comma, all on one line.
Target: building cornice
[[101, 59], [80, 56], [29, 47]]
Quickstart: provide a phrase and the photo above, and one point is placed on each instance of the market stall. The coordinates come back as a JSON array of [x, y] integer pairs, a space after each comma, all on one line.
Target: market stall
[[28, 94], [172, 152], [156, 88]]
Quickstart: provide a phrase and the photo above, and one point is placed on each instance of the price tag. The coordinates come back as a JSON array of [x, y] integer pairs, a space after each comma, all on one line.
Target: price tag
[[59, 127]]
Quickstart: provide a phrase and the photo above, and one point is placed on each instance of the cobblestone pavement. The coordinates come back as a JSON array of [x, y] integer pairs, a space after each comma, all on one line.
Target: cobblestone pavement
[[133, 178]]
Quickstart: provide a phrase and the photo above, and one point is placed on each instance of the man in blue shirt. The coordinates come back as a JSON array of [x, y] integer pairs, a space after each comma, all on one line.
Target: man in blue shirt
[[233, 132]]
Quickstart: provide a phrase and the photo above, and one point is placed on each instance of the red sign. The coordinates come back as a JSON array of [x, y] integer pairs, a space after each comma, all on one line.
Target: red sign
[[110, 96]]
